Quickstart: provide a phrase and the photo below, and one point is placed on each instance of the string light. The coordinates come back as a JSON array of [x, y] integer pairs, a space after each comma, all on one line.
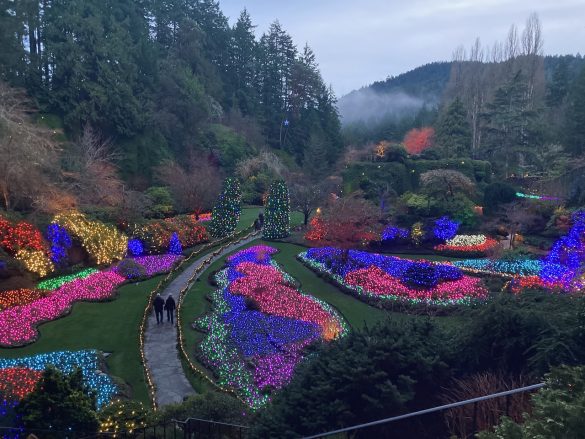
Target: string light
[[445, 229], [317, 229], [384, 279], [12, 298], [102, 242], [54, 283], [135, 247], [393, 233], [277, 216], [468, 244], [255, 350], [60, 243], [417, 233], [175, 247], [35, 261], [226, 212], [65, 361]]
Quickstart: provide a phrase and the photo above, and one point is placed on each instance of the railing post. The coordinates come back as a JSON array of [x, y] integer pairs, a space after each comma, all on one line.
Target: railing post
[[474, 430]]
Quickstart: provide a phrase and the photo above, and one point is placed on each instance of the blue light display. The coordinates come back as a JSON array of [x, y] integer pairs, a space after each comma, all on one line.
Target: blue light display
[[445, 228], [66, 361], [175, 247], [135, 247], [60, 243], [392, 233]]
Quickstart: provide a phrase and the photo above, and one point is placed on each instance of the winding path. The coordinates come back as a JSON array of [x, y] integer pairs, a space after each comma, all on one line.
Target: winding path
[[160, 342]]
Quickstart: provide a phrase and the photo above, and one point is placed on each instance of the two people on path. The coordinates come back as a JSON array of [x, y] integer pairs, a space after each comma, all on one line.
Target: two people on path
[[159, 304]]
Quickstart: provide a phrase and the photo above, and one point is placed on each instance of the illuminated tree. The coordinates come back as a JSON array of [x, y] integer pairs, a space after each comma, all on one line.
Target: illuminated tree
[[175, 246], [277, 213], [226, 213], [417, 140]]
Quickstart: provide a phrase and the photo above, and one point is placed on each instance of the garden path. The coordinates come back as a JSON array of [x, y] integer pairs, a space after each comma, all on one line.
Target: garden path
[[160, 342]]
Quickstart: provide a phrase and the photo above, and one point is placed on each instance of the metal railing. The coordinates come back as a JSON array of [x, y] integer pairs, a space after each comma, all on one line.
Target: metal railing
[[475, 401]]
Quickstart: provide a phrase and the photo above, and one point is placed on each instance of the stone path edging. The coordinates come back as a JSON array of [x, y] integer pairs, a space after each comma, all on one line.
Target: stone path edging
[[161, 354]]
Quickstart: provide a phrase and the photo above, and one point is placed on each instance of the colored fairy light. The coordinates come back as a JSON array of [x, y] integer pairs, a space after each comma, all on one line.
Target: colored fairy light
[[277, 212], [468, 244], [54, 283], [155, 235], [393, 233], [445, 228], [227, 209], [14, 370], [260, 325], [536, 197], [60, 243], [387, 278], [104, 243], [518, 267], [135, 247], [317, 229], [175, 247]]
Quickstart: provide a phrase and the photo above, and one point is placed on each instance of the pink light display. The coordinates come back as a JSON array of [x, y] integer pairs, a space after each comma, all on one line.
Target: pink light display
[[378, 282], [273, 295], [18, 324]]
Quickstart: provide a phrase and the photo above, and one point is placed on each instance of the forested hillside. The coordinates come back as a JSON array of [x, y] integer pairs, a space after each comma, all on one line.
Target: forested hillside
[[162, 81]]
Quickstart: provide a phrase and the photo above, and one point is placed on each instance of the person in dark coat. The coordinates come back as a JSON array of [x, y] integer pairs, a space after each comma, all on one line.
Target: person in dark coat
[[158, 305], [170, 307]]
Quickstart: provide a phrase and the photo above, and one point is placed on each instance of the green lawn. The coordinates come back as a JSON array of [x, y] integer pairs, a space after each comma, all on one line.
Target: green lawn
[[111, 327], [250, 213]]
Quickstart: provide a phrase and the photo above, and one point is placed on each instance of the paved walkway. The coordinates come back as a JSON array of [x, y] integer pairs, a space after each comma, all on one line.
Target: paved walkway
[[160, 341]]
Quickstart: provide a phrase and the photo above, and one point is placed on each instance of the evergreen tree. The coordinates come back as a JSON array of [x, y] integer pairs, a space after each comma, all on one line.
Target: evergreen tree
[[59, 403], [575, 130], [453, 134], [226, 212], [175, 247], [277, 212], [559, 85]]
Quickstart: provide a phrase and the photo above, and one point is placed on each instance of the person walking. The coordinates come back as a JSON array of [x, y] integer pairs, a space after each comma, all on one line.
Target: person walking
[[158, 305], [170, 307]]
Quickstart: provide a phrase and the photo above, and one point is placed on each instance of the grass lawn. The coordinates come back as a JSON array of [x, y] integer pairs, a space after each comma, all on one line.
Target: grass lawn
[[250, 213], [111, 327]]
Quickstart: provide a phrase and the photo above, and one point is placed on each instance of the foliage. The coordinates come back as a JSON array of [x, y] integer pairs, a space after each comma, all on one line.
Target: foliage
[[453, 132], [130, 269], [418, 140], [122, 415], [277, 212], [446, 183], [161, 201], [214, 406], [557, 410], [155, 235], [103, 243], [445, 229], [60, 403], [226, 212], [498, 193], [368, 375]]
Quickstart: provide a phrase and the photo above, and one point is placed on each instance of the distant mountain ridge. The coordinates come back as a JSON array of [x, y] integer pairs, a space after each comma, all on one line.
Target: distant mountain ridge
[[397, 96]]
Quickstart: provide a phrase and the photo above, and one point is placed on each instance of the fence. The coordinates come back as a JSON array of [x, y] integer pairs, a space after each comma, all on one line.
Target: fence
[[385, 428], [191, 428]]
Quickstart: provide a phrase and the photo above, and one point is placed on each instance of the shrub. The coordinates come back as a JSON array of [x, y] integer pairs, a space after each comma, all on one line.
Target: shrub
[[130, 269]]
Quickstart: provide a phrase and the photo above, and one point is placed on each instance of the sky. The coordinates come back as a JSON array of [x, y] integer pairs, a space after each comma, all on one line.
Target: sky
[[358, 42]]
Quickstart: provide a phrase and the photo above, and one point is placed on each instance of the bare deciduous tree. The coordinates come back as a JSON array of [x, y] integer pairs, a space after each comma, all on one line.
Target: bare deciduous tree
[[29, 151], [446, 182], [194, 189], [91, 172]]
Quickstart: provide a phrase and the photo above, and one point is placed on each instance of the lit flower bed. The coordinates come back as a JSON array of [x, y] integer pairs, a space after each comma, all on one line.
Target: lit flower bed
[[18, 324], [385, 279], [468, 244], [53, 284], [260, 325], [157, 264], [155, 236], [519, 267], [18, 376], [12, 298]]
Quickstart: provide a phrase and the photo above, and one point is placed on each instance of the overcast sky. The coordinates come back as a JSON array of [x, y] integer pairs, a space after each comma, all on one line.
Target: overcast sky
[[361, 41]]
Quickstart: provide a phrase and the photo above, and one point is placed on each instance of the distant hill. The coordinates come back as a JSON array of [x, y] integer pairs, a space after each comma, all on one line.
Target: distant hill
[[396, 97]]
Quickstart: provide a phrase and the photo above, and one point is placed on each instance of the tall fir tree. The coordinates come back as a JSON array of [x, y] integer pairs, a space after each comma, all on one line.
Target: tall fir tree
[[226, 212], [277, 212], [453, 133]]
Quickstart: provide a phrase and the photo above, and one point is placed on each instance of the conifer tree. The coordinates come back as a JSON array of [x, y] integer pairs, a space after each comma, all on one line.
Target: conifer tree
[[277, 217], [175, 247], [226, 212], [453, 134]]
